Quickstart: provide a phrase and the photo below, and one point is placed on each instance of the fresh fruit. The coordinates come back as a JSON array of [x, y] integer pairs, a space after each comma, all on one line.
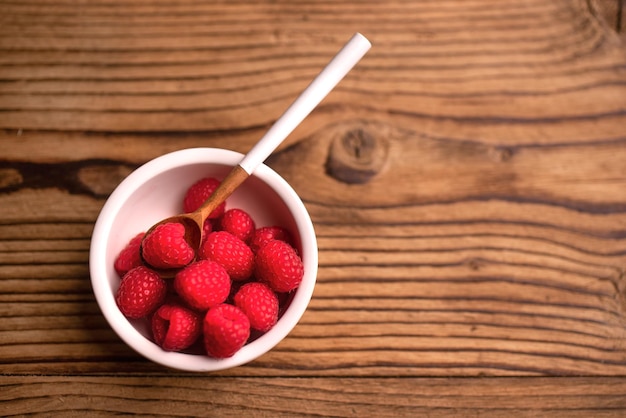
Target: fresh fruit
[[175, 327], [207, 228], [202, 284], [165, 247], [238, 222], [260, 305], [230, 252], [130, 256], [265, 234], [199, 192], [232, 291], [278, 265], [226, 330], [140, 292]]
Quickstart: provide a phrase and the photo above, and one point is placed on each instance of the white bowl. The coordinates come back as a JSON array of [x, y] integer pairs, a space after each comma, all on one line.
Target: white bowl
[[155, 191]]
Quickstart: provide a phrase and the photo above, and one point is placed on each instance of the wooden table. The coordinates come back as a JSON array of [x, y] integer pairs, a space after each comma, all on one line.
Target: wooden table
[[467, 182]]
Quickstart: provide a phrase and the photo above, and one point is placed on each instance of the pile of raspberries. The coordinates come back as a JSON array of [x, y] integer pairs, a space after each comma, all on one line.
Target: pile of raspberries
[[229, 293]]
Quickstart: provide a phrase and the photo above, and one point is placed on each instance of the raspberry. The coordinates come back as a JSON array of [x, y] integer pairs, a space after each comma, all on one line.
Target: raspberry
[[199, 192], [141, 291], [278, 265], [207, 228], [263, 235], [260, 305], [239, 223], [226, 330], [130, 256], [175, 328], [202, 284], [165, 247], [230, 252]]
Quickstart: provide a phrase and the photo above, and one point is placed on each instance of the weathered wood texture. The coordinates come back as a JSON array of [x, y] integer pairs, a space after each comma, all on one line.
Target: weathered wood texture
[[466, 180], [289, 397]]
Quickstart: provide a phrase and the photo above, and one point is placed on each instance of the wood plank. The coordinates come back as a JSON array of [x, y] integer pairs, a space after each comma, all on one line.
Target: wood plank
[[452, 71], [391, 397]]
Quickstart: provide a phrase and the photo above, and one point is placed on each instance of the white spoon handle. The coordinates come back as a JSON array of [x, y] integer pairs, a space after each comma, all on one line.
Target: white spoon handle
[[326, 80]]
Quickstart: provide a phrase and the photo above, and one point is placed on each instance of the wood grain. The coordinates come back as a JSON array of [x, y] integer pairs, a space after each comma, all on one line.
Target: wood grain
[[466, 182], [174, 396]]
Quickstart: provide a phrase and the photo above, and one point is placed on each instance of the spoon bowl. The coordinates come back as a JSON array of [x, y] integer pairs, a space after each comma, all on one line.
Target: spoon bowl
[[193, 222]]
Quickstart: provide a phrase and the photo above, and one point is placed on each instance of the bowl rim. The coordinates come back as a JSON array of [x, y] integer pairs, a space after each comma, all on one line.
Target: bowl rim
[[124, 328]]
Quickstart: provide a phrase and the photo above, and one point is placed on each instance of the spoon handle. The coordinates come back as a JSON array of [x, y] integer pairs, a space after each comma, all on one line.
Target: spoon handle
[[234, 179], [325, 81]]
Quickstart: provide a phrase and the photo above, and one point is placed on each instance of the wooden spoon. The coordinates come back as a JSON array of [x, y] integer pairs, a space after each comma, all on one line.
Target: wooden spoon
[[325, 81]]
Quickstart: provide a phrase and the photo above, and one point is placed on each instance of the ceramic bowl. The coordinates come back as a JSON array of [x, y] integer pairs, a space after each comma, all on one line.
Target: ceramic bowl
[[155, 191]]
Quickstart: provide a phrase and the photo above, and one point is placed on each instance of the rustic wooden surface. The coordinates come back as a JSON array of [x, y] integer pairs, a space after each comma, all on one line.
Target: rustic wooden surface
[[467, 182]]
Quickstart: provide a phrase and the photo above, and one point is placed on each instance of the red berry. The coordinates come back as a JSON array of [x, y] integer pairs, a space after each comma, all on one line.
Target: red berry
[[278, 265], [260, 305], [202, 284], [265, 234], [141, 291], [175, 328], [199, 192], [239, 223], [226, 330], [130, 256], [230, 252], [165, 247], [207, 227]]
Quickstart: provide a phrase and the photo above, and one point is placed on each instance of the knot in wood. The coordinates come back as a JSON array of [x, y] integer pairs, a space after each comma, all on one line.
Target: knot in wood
[[356, 156]]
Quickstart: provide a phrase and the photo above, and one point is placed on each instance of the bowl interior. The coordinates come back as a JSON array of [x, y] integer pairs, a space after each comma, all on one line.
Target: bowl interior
[[155, 191]]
